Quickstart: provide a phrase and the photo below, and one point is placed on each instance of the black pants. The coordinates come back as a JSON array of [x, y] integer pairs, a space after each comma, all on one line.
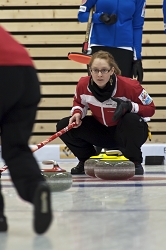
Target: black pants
[[128, 136], [19, 97], [123, 58]]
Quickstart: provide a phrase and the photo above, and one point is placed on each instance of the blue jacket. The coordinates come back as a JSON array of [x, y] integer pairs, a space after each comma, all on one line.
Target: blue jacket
[[126, 32], [164, 14]]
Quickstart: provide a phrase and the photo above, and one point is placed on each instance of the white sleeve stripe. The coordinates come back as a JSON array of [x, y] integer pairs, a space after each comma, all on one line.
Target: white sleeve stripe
[[83, 110], [76, 107]]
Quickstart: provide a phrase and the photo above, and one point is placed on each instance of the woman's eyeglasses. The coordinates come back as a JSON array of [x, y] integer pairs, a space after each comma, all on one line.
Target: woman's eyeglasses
[[102, 71]]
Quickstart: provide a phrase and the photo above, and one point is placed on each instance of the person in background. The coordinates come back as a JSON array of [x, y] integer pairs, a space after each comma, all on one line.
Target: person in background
[[120, 109], [117, 27], [19, 97]]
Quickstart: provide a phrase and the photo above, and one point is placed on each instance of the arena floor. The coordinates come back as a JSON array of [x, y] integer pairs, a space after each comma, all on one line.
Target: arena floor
[[93, 215]]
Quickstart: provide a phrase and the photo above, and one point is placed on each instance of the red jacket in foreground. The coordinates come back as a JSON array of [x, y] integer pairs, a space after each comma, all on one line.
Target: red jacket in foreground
[[12, 53], [126, 89]]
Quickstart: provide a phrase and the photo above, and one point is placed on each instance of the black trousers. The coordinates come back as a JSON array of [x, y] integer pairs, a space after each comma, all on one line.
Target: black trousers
[[19, 97], [128, 136], [123, 58]]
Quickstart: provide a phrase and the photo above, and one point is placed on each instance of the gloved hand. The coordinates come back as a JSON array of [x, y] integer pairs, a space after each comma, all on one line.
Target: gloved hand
[[137, 71], [121, 109], [108, 19]]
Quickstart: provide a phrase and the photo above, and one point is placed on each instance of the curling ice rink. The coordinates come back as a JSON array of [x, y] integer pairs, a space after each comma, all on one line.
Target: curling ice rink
[[93, 215]]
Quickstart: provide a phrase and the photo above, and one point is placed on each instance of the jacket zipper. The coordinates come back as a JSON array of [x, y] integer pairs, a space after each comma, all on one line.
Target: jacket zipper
[[103, 117]]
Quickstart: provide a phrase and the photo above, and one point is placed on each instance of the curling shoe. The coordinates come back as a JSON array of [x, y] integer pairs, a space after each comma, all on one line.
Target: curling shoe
[[79, 169], [3, 223], [138, 169], [42, 208]]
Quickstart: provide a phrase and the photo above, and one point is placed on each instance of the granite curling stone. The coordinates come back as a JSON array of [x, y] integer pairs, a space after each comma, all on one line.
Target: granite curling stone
[[114, 170], [57, 180], [89, 166], [111, 155]]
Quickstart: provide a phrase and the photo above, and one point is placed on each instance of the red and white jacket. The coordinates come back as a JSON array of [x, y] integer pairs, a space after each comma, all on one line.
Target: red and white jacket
[[126, 89]]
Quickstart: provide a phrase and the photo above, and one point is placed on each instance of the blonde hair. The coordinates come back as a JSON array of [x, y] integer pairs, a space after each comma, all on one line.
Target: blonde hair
[[106, 56]]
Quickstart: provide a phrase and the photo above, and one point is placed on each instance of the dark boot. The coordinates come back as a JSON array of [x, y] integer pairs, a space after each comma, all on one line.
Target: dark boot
[[138, 169], [42, 208], [3, 223], [79, 169]]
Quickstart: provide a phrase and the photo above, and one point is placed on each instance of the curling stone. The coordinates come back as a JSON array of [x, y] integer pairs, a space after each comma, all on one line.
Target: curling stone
[[89, 166], [111, 155], [114, 170], [57, 180]]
